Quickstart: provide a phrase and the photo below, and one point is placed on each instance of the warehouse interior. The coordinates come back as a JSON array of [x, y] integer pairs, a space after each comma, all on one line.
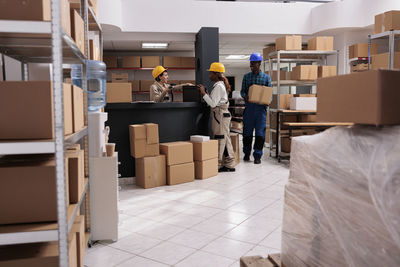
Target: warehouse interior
[[199, 133]]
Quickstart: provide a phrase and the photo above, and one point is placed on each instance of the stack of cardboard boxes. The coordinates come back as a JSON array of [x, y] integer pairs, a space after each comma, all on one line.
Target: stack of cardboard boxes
[[205, 155]]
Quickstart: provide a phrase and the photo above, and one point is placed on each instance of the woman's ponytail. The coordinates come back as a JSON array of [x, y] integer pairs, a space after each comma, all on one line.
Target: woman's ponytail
[[222, 78]]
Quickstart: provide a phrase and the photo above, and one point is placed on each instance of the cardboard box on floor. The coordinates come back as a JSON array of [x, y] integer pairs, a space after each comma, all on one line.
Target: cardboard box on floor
[[135, 85], [76, 174], [111, 61], [290, 42], [180, 173], [137, 138], [131, 62], [177, 152], [151, 133], [119, 93], [145, 85], [303, 103], [235, 145], [151, 171], [284, 101], [305, 73], [78, 30], [151, 150], [322, 43], [361, 50], [206, 168], [371, 98], [260, 94], [119, 77], [205, 150], [150, 61], [381, 61], [326, 71], [387, 21]]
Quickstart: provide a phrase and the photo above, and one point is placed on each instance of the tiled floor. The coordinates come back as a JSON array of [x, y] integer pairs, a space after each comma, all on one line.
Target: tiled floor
[[210, 222]]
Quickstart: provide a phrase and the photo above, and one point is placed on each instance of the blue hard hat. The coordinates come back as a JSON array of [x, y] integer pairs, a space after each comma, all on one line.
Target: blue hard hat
[[256, 57]]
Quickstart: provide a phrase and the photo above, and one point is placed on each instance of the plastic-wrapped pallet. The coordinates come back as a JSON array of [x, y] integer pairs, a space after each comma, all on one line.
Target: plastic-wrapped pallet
[[342, 201]]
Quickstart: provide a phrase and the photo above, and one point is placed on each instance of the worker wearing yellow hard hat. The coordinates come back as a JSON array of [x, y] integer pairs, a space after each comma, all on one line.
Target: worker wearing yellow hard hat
[[221, 118], [160, 89]]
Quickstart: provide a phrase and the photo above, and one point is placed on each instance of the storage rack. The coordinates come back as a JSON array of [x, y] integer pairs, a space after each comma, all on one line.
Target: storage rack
[[391, 36], [236, 107], [300, 56], [23, 43]]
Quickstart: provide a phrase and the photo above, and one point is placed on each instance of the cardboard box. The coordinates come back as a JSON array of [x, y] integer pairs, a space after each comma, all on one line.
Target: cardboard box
[[286, 118], [119, 93], [286, 143], [94, 51], [151, 133], [37, 254], [137, 138], [131, 62], [138, 148], [206, 169], [284, 101], [289, 42], [322, 43], [303, 103], [151, 171], [269, 49], [188, 62], [145, 85], [76, 174], [237, 125], [305, 73], [26, 10], [152, 150], [359, 67], [260, 94], [150, 61], [119, 77], [205, 150], [180, 173], [371, 97], [135, 85], [177, 152], [381, 61], [137, 131], [361, 50], [65, 15], [326, 71], [235, 145], [27, 189], [31, 106], [79, 229], [78, 108], [308, 118], [282, 77], [172, 62], [387, 21], [111, 61], [78, 30]]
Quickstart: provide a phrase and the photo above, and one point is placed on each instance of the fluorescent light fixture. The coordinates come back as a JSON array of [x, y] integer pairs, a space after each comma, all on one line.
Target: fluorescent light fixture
[[155, 45], [237, 57]]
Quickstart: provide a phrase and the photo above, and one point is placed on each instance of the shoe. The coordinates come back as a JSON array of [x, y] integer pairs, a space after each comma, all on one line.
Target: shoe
[[246, 158], [226, 169], [257, 161]]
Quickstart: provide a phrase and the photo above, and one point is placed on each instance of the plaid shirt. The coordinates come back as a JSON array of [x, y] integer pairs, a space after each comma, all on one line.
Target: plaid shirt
[[249, 79]]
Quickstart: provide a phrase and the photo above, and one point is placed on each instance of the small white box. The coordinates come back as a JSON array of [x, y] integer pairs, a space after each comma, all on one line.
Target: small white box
[[199, 138], [303, 103]]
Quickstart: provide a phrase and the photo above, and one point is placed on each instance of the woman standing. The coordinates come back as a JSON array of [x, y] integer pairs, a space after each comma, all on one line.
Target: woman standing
[[221, 118]]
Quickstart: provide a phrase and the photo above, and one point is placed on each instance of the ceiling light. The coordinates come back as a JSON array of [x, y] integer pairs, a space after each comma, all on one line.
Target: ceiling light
[[155, 45], [237, 57]]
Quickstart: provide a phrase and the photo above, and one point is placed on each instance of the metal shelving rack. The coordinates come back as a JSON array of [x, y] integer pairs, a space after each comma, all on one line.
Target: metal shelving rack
[[391, 36], [300, 56], [46, 42]]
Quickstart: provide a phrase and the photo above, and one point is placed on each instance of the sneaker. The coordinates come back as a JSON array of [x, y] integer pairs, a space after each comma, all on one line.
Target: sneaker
[[246, 158], [226, 169], [257, 161]]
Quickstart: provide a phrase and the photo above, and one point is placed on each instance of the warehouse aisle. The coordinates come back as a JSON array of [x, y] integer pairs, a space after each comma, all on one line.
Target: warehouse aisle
[[208, 222]]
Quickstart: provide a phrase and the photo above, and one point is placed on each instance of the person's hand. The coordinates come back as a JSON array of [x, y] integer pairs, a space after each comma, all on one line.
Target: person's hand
[[189, 84], [202, 89]]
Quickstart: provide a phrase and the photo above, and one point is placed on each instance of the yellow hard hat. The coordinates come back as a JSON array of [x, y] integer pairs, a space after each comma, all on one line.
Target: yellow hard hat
[[157, 71], [217, 67]]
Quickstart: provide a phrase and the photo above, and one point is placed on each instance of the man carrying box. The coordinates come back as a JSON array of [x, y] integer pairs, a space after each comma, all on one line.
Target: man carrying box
[[255, 115]]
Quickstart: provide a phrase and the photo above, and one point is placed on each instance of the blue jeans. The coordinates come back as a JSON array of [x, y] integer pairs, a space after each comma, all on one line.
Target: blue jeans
[[254, 118]]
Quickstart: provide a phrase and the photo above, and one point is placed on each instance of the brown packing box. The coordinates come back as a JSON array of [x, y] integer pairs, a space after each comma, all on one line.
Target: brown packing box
[[131, 62], [387, 21], [31, 106], [361, 50], [111, 61], [282, 75], [381, 61], [137, 131], [150, 61], [119, 77], [28, 189], [359, 67], [172, 62], [290, 42], [305, 73], [206, 169], [26, 10], [269, 49], [135, 85], [180, 173], [119, 93], [326, 71], [76, 174], [138, 148], [260, 94], [78, 108], [78, 30], [187, 62], [322, 43], [37, 254], [235, 145], [79, 229], [371, 97], [205, 150], [308, 118], [137, 138], [151, 150], [95, 53], [284, 101], [177, 152], [151, 133], [65, 16], [151, 171], [145, 85], [286, 142]]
